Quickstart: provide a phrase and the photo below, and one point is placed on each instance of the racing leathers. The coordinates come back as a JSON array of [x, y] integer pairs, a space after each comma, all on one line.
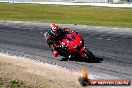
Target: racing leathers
[[53, 40]]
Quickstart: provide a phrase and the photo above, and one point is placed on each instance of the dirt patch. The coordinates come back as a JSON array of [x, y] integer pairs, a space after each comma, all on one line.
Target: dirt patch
[[37, 74]]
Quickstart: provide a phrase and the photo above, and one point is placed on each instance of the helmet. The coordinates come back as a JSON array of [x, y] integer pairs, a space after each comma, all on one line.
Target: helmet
[[54, 28]]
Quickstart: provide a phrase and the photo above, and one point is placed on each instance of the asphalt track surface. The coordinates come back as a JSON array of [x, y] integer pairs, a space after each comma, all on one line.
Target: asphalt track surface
[[112, 44]]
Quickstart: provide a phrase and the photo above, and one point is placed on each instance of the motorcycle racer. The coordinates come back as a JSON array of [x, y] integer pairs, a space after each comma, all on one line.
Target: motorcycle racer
[[54, 35], [68, 44]]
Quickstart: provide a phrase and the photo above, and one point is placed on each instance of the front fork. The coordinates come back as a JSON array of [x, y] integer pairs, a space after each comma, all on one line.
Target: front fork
[[82, 52]]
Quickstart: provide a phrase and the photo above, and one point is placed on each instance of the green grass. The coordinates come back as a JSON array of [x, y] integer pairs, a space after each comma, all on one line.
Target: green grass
[[15, 83], [88, 15], [6, 83]]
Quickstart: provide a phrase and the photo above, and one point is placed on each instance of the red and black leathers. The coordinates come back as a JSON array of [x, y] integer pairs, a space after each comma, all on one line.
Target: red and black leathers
[[53, 40]]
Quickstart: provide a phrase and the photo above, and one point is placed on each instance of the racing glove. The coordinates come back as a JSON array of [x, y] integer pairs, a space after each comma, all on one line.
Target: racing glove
[[60, 47]]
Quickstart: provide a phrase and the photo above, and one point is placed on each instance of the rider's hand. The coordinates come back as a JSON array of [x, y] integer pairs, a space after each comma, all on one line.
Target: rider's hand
[[60, 47]]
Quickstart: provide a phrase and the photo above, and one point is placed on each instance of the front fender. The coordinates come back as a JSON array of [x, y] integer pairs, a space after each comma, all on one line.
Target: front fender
[[82, 52], [83, 48]]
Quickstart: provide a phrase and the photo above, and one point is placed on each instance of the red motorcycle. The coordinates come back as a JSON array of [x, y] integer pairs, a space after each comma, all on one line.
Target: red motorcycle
[[74, 48]]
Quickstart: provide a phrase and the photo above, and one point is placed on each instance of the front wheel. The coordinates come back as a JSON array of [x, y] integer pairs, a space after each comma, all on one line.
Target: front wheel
[[89, 57]]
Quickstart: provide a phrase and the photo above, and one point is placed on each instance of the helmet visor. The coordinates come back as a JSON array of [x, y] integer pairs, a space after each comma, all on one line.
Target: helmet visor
[[55, 30]]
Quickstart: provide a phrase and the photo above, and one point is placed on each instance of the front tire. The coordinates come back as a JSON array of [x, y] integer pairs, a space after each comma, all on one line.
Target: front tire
[[89, 56]]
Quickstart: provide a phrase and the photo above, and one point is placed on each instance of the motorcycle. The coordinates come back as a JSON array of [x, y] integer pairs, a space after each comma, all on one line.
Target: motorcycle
[[73, 48]]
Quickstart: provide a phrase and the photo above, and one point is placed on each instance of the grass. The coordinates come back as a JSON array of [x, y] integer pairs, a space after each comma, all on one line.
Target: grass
[[15, 83], [12, 83], [88, 15]]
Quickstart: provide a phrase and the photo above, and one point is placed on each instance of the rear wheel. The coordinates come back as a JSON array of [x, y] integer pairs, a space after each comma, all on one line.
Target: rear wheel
[[89, 56]]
